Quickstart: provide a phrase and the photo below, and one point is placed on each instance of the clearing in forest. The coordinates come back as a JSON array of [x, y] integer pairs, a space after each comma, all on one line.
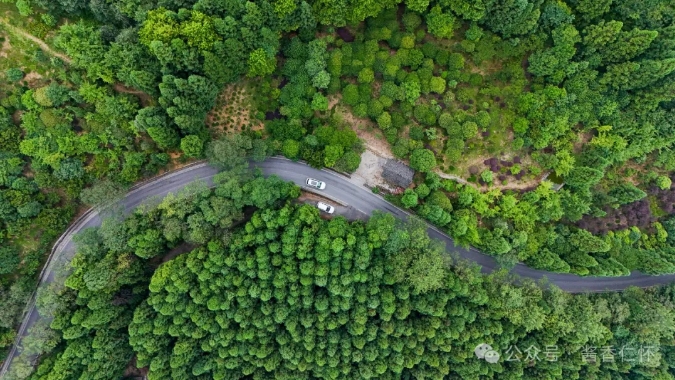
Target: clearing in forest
[[235, 110]]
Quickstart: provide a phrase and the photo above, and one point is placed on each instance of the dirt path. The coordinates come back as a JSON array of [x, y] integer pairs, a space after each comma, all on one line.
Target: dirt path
[[43, 45], [146, 99], [119, 87], [452, 177]]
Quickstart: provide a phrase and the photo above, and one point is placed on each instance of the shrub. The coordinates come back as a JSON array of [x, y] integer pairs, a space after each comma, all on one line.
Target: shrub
[[409, 199], [469, 129], [349, 162], [422, 160], [366, 75], [384, 120], [663, 182], [475, 79], [48, 19], [515, 169], [411, 21], [455, 61], [430, 50], [486, 176], [41, 98], [14, 74], [400, 149], [319, 102], [422, 190], [520, 125], [408, 42], [474, 33], [437, 85], [467, 46], [291, 149], [483, 119], [375, 108]]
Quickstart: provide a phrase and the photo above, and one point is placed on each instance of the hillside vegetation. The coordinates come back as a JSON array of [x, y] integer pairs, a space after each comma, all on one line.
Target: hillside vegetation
[[541, 131]]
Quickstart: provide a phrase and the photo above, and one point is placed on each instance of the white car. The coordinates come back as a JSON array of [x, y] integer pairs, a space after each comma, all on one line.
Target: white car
[[325, 208], [316, 183]]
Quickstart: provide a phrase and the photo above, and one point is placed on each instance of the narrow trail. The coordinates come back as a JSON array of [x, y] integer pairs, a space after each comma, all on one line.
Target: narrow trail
[[43, 45], [119, 87], [452, 177]]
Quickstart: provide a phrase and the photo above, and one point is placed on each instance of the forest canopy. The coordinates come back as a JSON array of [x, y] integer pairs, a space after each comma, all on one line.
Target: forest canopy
[[287, 294], [541, 132]]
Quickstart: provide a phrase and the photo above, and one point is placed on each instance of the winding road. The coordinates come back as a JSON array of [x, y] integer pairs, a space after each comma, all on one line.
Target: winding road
[[340, 190]]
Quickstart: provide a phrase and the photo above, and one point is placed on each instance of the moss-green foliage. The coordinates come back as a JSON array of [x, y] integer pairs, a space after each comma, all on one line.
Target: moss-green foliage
[[110, 272], [427, 81], [576, 88], [289, 295]]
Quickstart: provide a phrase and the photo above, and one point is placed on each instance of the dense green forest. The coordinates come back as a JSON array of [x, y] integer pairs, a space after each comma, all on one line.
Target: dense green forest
[[269, 289], [495, 93], [495, 103]]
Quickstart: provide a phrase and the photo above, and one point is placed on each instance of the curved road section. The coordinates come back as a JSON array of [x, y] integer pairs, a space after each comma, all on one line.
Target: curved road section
[[339, 189]]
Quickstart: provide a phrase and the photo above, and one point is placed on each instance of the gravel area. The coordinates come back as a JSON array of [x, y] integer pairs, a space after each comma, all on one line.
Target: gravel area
[[369, 172]]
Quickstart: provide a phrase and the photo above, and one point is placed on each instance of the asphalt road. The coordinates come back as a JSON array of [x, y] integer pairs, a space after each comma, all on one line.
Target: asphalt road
[[340, 190], [343, 191]]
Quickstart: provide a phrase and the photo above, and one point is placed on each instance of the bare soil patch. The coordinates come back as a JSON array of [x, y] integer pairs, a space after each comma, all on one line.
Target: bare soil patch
[[369, 172], [307, 197], [365, 129], [32, 78]]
